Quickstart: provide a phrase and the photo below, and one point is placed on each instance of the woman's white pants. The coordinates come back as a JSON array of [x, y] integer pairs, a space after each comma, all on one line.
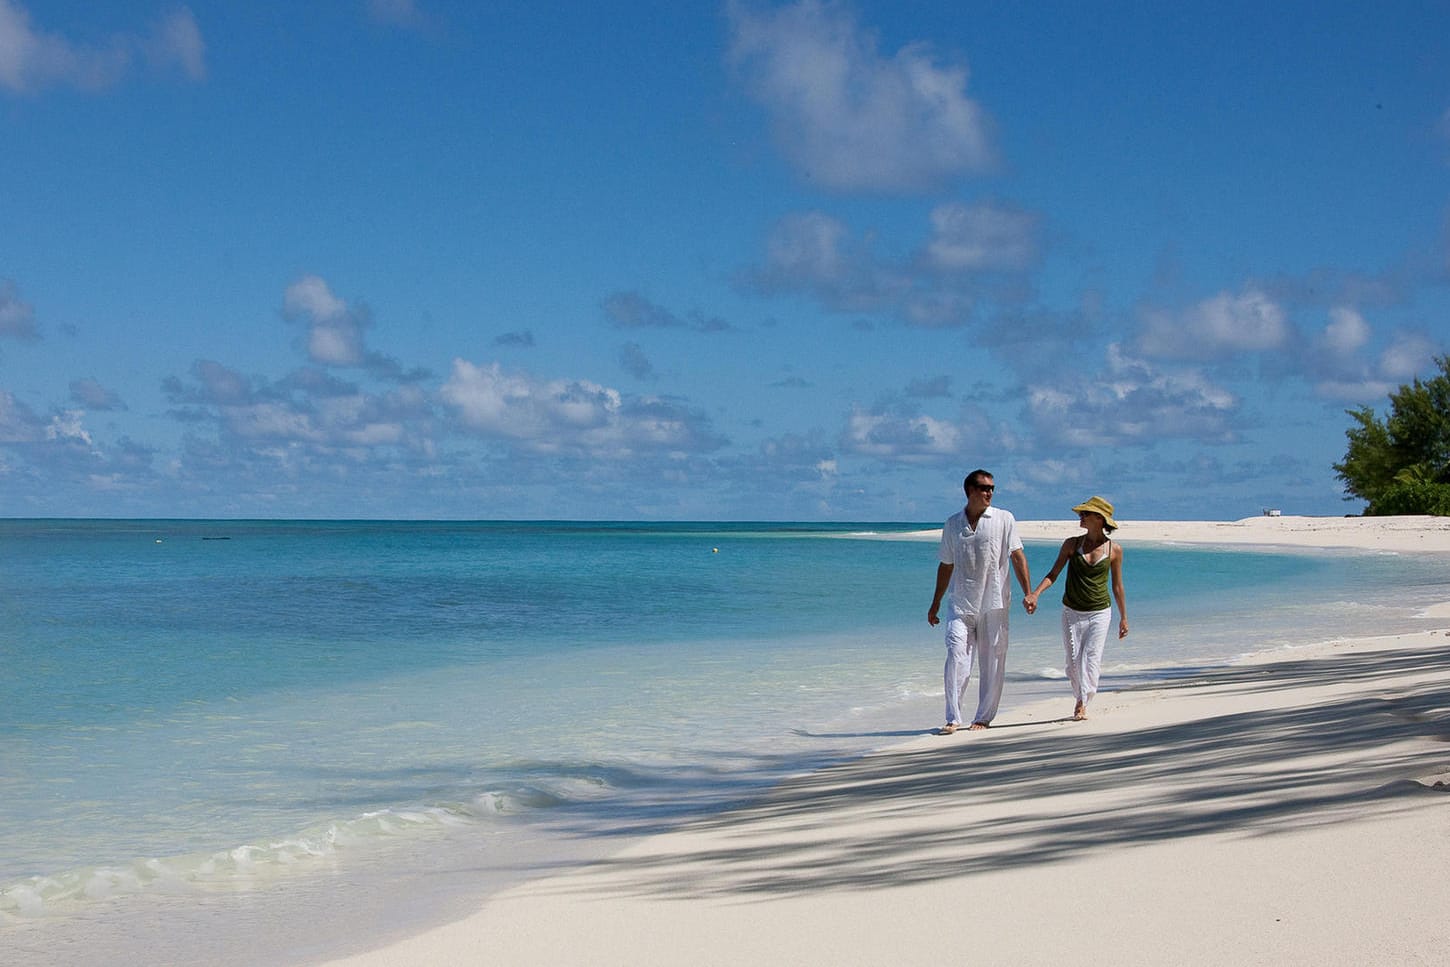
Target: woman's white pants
[[1084, 636]]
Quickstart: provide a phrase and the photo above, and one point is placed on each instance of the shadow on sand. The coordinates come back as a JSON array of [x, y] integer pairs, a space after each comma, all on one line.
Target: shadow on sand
[[1053, 793]]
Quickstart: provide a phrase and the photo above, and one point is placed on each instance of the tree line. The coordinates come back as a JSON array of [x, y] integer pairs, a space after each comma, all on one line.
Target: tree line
[[1401, 464]]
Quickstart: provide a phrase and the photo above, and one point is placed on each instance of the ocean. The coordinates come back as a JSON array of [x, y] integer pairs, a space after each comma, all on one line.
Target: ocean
[[238, 741]]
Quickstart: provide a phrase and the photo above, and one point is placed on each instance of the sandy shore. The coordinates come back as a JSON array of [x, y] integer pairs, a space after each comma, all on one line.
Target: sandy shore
[[1287, 810], [1427, 534]]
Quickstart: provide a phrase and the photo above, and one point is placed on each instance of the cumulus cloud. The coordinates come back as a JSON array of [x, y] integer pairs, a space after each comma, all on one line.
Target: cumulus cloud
[[1130, 402], [558, 415], [308, 410], [813, 253], [1368, 379], [215, 385], [973, 255], [1347, 331], [1221, 326], [982, 237], [334, 328], [796, 474], [1344, 361], [50, 454], [885, 434], [17, 318], [848, 117], [32, 59]]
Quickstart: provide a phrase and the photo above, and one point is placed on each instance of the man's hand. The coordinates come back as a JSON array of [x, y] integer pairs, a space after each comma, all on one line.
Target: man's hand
[[931, 617], [1029, 602]]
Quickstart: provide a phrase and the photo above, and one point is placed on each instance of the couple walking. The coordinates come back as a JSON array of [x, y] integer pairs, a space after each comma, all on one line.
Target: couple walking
[[979, 544]]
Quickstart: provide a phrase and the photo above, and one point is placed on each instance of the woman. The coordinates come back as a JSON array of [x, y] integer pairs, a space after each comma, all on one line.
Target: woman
[[1091, 560]]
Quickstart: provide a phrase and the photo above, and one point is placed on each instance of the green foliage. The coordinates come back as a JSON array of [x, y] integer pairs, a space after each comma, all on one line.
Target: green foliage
[[1413, 498], [1401, 465]]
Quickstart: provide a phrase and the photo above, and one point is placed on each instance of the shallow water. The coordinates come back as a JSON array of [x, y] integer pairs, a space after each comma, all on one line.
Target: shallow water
[[206, 722]]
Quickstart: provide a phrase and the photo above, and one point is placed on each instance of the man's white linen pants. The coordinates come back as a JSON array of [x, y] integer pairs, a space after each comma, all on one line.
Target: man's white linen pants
[[982, 637]]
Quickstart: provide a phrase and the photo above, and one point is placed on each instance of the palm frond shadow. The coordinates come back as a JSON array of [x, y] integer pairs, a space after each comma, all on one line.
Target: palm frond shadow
[[1256, 773]]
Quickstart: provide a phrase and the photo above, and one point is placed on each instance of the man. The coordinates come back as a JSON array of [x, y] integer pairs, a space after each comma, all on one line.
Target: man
[[976, 545]]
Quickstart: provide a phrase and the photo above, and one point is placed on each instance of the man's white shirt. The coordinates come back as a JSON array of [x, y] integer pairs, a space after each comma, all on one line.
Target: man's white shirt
[[981, 560]]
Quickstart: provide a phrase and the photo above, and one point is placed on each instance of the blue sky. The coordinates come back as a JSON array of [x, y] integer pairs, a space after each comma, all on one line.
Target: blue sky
[[425, 259]]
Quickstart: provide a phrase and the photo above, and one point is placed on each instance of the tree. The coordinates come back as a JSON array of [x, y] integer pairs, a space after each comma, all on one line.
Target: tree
[[1401, 465]]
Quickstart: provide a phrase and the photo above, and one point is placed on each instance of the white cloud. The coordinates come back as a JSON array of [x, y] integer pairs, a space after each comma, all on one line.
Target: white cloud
[[33, 59], [900, 436], [1409, 355], [1130, 402], [558, 415], [850, 118], [1220, 326], [320, 414], [1340, 368], [813, 253], [177, 41], [311, 296], [66, 425], [1347, 331], [982, 237], [808, 245], [334, 328], [974, 255]]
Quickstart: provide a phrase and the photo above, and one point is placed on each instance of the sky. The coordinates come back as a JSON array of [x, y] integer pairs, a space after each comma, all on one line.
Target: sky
[[417, 259]]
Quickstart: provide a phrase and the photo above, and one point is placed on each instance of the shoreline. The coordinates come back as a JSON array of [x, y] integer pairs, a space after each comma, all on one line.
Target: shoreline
[[1293, 810], [1369, 534], [1288, 807]]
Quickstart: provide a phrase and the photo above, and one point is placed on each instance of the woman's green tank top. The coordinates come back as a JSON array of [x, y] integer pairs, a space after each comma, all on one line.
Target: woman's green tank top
[[1086, 587]]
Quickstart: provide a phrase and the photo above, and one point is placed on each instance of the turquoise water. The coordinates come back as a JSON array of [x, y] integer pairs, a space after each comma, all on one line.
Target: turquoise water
[[191, 709]]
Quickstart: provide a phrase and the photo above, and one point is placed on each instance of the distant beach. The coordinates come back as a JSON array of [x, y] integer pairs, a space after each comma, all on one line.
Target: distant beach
[[1413, 534]]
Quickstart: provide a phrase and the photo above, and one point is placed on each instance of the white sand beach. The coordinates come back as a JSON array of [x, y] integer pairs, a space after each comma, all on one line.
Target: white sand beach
[[1290, 809], [1427, 534]]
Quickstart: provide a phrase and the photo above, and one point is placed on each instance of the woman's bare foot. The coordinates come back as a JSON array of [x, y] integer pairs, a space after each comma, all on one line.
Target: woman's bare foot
[[1079, 711]]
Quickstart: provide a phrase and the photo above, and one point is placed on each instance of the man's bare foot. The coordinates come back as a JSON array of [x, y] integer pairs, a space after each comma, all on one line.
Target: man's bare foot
[[1079, 711], [947, 729], [977, 726]]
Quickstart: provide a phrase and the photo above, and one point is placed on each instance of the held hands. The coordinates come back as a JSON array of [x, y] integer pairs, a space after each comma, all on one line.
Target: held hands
[[1029, 602]]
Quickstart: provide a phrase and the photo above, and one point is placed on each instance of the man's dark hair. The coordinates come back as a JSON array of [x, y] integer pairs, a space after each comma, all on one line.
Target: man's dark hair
[[976, 477]]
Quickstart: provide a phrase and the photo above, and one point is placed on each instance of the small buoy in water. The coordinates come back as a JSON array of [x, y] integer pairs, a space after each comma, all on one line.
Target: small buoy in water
[[158, 540], [714, 550]]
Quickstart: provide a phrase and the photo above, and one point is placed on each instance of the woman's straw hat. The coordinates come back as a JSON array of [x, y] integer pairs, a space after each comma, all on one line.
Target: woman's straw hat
[[1098, 505]]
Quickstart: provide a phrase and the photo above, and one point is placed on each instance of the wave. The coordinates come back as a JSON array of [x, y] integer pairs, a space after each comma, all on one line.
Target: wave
[[251, 865]]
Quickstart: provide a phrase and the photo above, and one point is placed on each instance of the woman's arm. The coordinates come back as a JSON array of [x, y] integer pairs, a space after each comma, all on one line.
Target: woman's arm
[[1115, 570], [1062, 555]]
